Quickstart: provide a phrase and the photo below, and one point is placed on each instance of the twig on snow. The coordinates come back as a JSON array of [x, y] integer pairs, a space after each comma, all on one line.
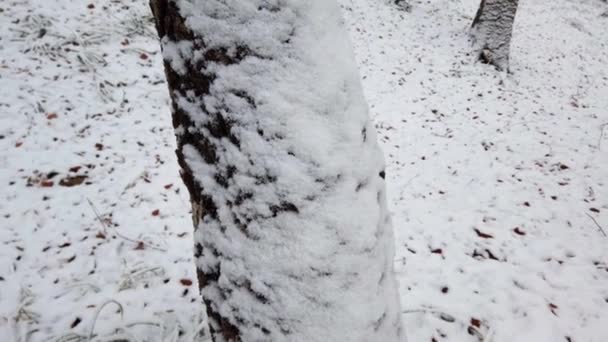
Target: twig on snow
[[598, 225], [103, 224], [70, 337], [71, 287], [442, 315], [120, 309]]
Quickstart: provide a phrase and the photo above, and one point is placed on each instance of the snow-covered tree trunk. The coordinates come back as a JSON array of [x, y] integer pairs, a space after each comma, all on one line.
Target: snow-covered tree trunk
[[492, 30], [293, 240]]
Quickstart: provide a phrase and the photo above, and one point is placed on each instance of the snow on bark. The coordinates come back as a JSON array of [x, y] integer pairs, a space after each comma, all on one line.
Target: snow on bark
[[293, 238], [492, 30]]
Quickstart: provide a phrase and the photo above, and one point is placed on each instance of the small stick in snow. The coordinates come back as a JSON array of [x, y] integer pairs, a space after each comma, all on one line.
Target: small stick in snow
[[598, 225], [440, 314], [103, 224], [96, 316]]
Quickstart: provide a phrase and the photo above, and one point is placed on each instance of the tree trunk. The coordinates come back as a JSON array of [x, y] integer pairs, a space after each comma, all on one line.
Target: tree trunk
[[293, 241], [492, 30]]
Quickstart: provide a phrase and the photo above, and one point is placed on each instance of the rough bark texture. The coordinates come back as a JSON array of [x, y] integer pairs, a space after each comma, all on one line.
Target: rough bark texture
[[279, 256], [492, 31], [170, 25]]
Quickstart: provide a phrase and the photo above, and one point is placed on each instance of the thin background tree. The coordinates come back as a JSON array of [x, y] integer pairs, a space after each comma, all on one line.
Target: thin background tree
[[492, 30]]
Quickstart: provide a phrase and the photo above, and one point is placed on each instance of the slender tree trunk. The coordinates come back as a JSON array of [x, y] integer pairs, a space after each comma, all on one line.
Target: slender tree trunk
[[293, 240], [492, 30]]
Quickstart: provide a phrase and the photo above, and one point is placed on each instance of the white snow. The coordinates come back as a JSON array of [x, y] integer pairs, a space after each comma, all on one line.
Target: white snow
[[467, 148]]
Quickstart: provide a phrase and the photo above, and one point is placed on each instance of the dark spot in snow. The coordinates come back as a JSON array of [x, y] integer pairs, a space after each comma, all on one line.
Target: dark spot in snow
[[553, 308], [75, 323], [52, 174], [242, 197], [360, 186], [518, 231], [73, 181], [379, 321], [320, 273], [595, 210], [283, 207], [448, 318], [382, 174], [46, 184], [445, 290], [482, 234], [491, 255], [475, 322], [198, 250]]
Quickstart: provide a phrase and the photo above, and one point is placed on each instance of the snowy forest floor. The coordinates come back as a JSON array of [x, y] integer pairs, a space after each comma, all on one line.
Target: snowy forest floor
[[497, 182]]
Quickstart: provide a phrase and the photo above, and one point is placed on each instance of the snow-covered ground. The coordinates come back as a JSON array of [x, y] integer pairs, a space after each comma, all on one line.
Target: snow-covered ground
[[497, 182]]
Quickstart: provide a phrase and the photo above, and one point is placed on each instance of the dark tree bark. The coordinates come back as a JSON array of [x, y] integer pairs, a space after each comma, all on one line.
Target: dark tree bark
[[404, 5], [492, 30], [293, 241]]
